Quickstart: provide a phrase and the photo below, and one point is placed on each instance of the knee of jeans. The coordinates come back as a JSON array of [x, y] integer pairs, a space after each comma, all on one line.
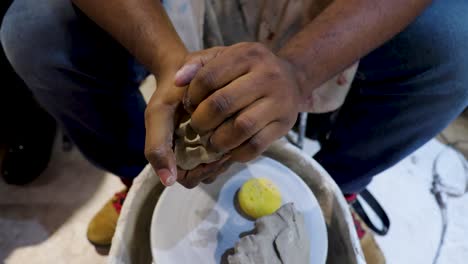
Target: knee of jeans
[[446, 28], [438, 53], [454, 67], [457, 54], [30, 44]]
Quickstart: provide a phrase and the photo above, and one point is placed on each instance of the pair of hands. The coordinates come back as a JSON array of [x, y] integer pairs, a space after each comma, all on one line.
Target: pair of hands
[[245, 95]]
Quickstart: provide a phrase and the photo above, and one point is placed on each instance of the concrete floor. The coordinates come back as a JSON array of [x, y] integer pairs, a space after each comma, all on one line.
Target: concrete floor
[[45, 222], [405, 193]]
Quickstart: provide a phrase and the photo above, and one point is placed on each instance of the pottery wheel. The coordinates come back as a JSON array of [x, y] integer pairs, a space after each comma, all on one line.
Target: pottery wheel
[[201, 224]]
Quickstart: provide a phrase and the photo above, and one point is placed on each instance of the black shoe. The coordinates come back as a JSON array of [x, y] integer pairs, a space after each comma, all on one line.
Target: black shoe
[[29, 154]]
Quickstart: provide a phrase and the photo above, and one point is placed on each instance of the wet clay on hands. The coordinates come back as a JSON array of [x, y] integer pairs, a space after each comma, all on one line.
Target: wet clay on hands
[[191, 149]]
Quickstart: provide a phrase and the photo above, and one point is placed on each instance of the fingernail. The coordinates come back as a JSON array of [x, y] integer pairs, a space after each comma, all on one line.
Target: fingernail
[[167, 178], [171, 180], [185, 75]]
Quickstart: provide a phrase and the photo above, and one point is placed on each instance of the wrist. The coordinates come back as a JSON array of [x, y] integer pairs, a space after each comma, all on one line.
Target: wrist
[[300, 77], [167, 66]]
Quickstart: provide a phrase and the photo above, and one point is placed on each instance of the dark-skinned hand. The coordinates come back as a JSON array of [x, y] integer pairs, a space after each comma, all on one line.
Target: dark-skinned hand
[[244, 94]]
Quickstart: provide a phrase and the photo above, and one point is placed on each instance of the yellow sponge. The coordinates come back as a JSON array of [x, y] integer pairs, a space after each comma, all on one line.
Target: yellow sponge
[[259, 197]]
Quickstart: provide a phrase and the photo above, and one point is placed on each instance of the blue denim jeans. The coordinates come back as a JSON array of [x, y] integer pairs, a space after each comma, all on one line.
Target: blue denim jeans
[[406, 91]]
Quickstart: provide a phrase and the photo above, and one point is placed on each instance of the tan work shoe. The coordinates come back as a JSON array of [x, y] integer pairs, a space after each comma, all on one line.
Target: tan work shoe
[[102, 227], [370, 248]]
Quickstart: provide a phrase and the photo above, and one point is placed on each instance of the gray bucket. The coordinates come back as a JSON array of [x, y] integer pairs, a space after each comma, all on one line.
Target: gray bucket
[[131, 242]]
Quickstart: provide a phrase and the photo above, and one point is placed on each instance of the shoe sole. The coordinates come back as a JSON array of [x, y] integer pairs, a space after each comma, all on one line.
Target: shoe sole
[[101, 246]]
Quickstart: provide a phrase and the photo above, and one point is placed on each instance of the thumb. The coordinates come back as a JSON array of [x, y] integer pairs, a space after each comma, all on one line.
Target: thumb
[[193, 63], [159, 122]]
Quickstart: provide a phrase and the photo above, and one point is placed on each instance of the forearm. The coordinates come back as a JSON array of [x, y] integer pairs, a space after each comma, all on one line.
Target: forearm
[[141, 26], [343, 33]]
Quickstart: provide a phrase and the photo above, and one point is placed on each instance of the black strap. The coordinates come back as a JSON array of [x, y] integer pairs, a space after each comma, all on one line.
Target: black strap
[[372, 202]]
